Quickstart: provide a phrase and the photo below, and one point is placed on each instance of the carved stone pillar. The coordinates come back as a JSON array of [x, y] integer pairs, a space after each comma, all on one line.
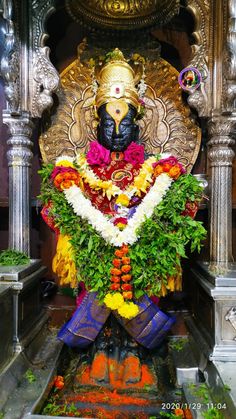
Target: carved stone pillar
[[19, 161], [221, 155]]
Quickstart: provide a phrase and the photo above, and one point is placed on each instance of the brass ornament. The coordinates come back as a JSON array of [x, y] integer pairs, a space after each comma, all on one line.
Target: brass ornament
[[166, 126], [116, 80], [123, 14]]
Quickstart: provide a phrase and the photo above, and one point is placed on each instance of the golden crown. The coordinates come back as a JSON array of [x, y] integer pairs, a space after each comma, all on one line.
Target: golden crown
[[117, 82]]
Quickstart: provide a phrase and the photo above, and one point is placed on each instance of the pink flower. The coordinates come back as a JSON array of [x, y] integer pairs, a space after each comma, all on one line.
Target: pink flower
[[134, 154], [98, 155], [61, 169], [82, 293], [172, 161], [121, 220]]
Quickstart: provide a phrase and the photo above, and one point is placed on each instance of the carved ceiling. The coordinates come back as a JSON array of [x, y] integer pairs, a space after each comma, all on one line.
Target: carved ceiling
[[123, 14]]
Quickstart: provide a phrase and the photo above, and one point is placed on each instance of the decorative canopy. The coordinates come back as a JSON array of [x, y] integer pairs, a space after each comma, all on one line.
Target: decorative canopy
[[123, 14], [167, 125]]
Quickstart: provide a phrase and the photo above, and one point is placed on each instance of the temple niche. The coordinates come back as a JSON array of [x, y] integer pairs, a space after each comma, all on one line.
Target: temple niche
[[167, 347]]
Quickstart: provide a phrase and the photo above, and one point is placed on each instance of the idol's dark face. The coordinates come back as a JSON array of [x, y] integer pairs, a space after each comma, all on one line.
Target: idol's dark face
[[107, 135]]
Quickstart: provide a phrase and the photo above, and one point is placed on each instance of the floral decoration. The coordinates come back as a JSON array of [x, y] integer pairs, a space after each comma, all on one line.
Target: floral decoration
[[139, 249], [134, 153], [141, 182], [98, 155]]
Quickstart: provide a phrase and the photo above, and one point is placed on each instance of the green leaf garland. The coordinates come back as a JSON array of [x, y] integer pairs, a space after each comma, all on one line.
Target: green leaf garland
[[154, 256]]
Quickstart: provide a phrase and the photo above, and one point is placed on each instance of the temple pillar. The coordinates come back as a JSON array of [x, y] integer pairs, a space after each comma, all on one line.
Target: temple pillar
[[220, 155], [213, 283], [19, 158]]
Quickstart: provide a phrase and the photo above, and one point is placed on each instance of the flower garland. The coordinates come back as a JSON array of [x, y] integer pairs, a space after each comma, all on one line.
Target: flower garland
[[140, 184], [94, 235], [83, 208]]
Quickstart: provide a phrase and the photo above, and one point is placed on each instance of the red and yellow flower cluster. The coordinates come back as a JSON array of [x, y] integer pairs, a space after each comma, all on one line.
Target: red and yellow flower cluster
[[65, 177], [121, 275], [169, 165]]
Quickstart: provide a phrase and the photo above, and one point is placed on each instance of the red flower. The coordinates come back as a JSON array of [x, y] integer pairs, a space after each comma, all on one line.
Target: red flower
[[125, 268], [98, 155], [126, 287], [128, 295], [115, 272], [126, 278], [125, 249], [119, 253], [171, 160], [191, 209], [121, 220], [115, 287], [125, 260], [59, 382], [134, 154], [115, 279], [116, 263], [62, 169]]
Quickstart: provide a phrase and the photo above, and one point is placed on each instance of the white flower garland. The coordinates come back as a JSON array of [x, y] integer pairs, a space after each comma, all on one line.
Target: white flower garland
[[110, 233]]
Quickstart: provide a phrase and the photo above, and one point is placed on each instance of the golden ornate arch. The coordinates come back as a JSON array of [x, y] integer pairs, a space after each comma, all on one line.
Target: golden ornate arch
[[165, 127]]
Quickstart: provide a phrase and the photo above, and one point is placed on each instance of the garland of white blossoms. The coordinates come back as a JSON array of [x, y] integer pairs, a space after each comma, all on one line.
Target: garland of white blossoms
[[110, 233]]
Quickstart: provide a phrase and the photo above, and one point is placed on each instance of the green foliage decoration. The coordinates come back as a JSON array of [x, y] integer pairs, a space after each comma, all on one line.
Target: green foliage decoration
[[213, 413], [162, 242], [11, 257]]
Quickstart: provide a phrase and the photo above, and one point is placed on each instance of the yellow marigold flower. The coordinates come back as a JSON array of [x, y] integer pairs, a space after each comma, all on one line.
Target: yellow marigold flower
[[114, 301], [123, 200], [147, 167], [171, 283], [63, 264], [128, 310], [111, 191], [65, 163], [163, 291], [121, 226]]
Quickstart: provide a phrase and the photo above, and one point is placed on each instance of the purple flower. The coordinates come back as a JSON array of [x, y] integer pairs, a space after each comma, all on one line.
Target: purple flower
[[131, 212]]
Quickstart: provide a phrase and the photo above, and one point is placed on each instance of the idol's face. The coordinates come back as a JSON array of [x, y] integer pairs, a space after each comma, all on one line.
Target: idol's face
[[117, 141]]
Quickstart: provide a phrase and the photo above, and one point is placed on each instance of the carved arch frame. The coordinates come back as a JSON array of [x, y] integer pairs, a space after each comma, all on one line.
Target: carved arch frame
[[201, 57]]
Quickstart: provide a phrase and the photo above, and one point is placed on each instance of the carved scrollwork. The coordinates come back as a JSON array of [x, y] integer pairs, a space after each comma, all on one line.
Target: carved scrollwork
[[166, 126], [10, 59], [45, 76], [46, 82], [123, 14], [229, 74], [20, 143], [220, 142], [200, 9]]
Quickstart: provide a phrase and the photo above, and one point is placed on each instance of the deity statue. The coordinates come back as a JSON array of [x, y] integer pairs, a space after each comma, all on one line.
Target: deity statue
[[123, 220]]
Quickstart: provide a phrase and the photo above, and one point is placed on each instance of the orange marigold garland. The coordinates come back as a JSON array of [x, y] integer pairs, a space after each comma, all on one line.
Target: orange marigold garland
[[120, 278], [66, 179]]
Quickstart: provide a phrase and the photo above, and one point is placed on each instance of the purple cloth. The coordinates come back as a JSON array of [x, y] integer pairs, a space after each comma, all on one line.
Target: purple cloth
[[86, 322], [148, 328]]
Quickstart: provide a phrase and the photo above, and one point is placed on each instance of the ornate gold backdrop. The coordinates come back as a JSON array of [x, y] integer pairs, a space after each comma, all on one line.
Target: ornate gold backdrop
[[123, 14], [166, 126]]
